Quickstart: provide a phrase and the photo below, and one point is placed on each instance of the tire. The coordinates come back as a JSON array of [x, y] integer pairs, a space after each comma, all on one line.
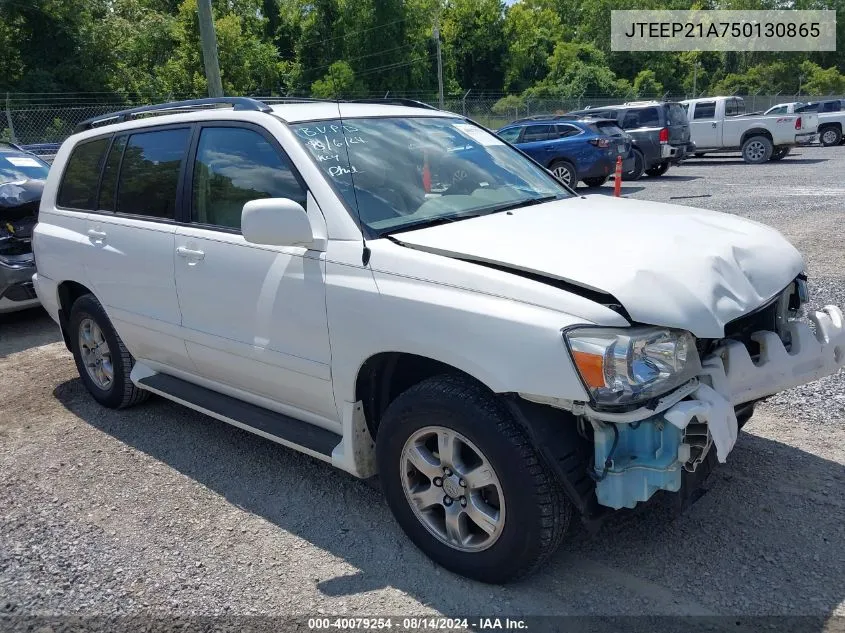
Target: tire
[[659, 170], [639, 167], [700, 154], [780, 153], [528, 500], [757, 150], [595, 182], [565, 172], [89, 320], [830, 136]]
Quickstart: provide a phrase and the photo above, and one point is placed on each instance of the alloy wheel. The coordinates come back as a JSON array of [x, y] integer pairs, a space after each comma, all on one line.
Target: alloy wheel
[[452, 489], [96, 355]]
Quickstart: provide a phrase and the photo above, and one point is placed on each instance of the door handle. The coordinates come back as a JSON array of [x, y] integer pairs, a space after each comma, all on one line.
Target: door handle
[[189, 253], [96, 236], [715, 124]]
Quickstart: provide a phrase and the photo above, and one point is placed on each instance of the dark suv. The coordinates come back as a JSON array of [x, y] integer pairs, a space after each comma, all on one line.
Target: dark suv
[[659, 129]]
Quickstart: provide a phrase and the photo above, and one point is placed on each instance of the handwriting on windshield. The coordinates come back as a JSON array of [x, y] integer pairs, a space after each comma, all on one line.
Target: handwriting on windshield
[[322, 130], [340, 170]]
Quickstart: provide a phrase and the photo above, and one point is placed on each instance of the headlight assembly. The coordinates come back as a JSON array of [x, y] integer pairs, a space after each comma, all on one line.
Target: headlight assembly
[[624, 366]]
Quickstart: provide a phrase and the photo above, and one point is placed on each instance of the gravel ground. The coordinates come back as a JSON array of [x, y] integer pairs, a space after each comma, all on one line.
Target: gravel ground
[[159, 510]]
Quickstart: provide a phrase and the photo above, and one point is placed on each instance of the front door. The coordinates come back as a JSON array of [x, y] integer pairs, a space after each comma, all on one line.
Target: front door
[[253, 317], [705, 129]]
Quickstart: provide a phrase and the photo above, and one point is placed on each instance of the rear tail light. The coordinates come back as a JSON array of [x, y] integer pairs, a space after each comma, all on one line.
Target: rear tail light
[[600, 142], [664, 135], [798, 123]]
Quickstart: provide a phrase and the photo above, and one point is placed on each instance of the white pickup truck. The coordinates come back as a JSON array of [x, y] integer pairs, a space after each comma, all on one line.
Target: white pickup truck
[[831, 115], [720, 124]]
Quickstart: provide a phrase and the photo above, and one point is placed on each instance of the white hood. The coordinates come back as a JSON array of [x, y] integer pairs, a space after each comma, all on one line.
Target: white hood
[[668, 265]]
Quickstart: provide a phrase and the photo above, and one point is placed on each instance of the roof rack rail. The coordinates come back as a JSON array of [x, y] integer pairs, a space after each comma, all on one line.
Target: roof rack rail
[[411, 103], [238, 103], [12, 145]]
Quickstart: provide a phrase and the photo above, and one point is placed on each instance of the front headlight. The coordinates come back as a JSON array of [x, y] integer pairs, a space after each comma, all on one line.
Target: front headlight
[[632, 365]]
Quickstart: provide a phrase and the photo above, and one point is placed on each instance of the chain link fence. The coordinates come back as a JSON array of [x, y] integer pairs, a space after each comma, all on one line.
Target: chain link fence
[[28, 121]]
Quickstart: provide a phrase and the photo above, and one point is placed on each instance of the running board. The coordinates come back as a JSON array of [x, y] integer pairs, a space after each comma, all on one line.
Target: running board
[[302, 436]]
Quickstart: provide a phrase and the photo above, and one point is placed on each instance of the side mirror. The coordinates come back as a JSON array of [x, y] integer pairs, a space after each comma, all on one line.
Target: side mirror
[[276, 222]]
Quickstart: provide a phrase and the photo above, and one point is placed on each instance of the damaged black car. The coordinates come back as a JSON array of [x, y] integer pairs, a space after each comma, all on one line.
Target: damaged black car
[[22, 176]]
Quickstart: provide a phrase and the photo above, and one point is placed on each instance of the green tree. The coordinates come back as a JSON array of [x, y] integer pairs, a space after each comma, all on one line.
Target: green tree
[[532, 31], [474, 43], [338, 82], [646, 84]]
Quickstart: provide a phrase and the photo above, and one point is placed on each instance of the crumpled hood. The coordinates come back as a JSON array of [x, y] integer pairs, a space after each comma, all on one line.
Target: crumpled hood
[[668, 265], [16, 194]]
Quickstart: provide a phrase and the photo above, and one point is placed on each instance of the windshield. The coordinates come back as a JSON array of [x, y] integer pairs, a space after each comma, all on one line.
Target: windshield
[[20, 168], [404, 173]]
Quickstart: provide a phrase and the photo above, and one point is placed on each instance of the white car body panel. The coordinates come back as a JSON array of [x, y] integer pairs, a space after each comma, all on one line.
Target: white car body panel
[[289, 329]]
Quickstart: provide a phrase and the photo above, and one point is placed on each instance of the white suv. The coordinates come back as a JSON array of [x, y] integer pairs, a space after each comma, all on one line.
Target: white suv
[[393, 289]]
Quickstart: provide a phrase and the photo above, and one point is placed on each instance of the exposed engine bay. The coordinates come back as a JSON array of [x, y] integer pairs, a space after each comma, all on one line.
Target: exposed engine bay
[[19, 203]]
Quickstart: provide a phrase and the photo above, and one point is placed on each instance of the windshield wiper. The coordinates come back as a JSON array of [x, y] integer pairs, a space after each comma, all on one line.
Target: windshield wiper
[[522, 203], [427, 223]]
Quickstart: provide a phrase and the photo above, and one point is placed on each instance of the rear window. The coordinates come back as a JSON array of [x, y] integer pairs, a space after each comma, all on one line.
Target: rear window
[[734, 107], [149, 173], [78, 189], [608, 128], [675, 114]]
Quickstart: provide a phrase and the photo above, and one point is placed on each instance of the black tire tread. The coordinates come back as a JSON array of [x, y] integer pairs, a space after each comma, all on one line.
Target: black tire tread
[[555, 508], [131, 395]]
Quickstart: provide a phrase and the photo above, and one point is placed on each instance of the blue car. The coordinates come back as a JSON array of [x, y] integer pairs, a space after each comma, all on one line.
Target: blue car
[[573, 149]]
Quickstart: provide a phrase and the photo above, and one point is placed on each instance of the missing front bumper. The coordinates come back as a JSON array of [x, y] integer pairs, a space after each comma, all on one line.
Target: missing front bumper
[[635, 458]]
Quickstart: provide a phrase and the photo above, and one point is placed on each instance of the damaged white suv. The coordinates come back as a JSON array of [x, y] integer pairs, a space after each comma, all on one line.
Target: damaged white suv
[[394, 290]]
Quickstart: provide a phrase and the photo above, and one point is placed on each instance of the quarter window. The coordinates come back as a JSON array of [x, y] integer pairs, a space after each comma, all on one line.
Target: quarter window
[[149, 173], [79, 184], [233, 166], [564, 131]]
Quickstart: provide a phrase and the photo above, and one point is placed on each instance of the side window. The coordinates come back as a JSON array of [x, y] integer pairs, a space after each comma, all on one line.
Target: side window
[[82, 175], [564, 131], [730, 107], [149, 173], [233, 166], [779, 110], [704, 110], [108, 187], [510, 135], [536, 133]]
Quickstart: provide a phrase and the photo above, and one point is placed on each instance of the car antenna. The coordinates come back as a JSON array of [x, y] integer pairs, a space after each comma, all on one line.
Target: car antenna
[[365, 255]]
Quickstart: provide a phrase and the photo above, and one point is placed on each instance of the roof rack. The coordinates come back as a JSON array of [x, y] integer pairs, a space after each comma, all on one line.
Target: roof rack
[[238, 103], [411, 103]]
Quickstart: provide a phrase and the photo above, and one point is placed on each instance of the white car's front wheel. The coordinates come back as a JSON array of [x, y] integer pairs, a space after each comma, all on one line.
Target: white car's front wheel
[[465, 482]]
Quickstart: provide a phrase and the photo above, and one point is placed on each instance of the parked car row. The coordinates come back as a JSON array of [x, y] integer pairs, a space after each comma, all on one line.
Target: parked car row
[[831, 115], [658, 134]]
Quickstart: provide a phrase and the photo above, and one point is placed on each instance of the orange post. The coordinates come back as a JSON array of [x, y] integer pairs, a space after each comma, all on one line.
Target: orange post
[[617, 178]]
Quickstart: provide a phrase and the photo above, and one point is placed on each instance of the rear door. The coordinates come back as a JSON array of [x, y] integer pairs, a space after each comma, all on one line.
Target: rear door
[[131, 233], [535, 141]]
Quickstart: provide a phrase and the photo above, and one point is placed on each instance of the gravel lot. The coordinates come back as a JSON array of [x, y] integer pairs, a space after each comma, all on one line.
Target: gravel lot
[[160, 510]]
